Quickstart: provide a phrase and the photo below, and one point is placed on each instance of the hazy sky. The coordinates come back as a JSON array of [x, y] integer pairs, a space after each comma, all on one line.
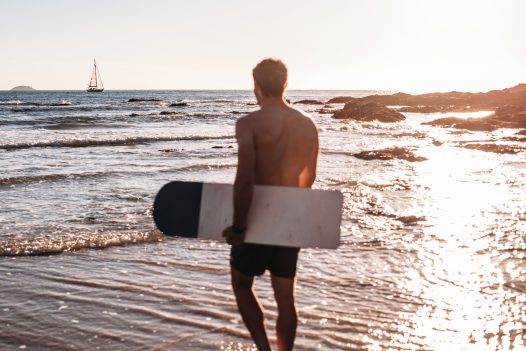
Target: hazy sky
[[410, 45]]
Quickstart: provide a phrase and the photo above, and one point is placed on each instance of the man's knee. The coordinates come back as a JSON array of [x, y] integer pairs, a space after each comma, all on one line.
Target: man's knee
[[240, 281]]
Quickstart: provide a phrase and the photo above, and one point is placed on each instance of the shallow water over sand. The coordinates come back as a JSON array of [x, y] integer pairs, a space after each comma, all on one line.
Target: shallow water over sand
[[432, 254]]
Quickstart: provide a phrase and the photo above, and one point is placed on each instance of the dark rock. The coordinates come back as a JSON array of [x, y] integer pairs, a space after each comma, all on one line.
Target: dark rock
[[325, 111], [168, 113], [144, 100], [341, 100], [368, 111], [390, 154], [510, 116], [309, 102], [504, 117], [499, 149], [473, 124], [431, 109], [409, 220], [453, 101], [522, 132], [178, 104], [437, 142], [134, 115]]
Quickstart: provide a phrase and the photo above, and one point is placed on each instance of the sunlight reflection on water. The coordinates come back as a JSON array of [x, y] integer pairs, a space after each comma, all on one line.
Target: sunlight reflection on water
[[461, 279]]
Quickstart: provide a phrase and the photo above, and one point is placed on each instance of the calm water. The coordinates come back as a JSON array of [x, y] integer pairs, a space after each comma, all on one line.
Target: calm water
[[432, 254]]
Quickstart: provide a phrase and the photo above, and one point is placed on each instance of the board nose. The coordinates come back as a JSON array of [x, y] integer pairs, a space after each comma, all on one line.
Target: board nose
[[176, 208]]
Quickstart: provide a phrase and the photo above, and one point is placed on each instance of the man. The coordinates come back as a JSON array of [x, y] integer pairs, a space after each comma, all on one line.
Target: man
[[277, 145]]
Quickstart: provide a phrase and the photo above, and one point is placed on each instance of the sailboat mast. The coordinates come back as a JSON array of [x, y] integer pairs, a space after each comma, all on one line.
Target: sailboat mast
[[95, 71]]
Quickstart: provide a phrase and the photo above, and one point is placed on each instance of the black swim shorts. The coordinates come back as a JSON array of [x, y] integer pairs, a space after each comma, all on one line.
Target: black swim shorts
[[253, 259]]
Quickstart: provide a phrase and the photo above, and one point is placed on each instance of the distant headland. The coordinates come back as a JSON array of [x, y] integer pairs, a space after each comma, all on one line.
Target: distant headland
[[23, 88]]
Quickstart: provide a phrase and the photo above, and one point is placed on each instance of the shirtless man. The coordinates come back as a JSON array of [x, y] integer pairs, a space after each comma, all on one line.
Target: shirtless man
[[277, 145]]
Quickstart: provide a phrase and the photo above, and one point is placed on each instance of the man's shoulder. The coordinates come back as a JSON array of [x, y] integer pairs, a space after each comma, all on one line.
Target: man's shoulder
[[246, 125], [247, 120], [303, 116]]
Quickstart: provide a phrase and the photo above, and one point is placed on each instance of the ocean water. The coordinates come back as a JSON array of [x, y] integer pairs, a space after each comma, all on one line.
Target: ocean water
[[432, 255]]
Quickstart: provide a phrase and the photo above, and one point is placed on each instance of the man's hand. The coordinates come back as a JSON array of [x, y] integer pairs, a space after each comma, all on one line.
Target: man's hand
[[232, 237]]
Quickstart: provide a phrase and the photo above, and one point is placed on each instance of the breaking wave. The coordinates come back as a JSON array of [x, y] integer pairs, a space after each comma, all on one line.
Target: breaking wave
[[7, 181], [29, 103], [107, 142], [64, 243], [206, 166]]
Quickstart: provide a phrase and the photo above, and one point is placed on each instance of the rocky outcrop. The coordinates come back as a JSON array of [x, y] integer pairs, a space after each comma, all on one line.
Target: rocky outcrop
[[364, 111], [430, 109], [341, 100], [495, 148], [473, 124], [456, 101], [453, 101], [504, 117], [22, 88], [178, 104], [309, 102], [391, 153], [522, 132]]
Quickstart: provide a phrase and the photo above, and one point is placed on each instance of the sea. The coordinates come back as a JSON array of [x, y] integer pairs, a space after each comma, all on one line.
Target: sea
[[432, 253]]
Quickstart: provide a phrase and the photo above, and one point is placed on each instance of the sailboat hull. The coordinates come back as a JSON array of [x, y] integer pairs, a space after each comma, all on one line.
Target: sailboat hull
[[94, 90]]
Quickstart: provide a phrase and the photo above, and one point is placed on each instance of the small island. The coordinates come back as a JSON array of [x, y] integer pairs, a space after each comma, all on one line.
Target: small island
[[23, 88]]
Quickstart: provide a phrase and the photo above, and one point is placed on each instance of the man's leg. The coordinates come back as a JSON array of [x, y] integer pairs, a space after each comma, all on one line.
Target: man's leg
[[250, 309], [287, 316]]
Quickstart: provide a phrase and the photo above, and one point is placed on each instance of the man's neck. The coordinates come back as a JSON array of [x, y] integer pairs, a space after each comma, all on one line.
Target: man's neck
[[272, 101]]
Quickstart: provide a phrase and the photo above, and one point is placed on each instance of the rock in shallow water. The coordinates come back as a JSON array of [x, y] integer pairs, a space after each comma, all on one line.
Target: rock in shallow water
[[341, 100], [391, 153], [504, 117], [473, 124], [367, 112], [495, 148], [309, 102]]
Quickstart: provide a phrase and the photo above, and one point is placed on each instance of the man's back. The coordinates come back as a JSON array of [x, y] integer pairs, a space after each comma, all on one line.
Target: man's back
[[286, 146]]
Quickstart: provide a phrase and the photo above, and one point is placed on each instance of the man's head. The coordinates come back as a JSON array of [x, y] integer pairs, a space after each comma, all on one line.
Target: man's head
[[270, 77]]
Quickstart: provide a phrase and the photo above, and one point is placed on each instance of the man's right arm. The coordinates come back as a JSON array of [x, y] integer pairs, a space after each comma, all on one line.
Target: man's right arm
[[245, 177]]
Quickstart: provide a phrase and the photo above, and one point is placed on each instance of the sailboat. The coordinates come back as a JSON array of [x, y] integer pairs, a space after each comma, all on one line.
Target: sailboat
[[95, 83]]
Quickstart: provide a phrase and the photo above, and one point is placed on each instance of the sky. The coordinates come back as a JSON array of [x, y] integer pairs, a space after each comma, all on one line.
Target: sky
[[400, 45]]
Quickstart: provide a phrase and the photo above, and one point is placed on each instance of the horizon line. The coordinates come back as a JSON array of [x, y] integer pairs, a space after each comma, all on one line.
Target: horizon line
[[390, 91]]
